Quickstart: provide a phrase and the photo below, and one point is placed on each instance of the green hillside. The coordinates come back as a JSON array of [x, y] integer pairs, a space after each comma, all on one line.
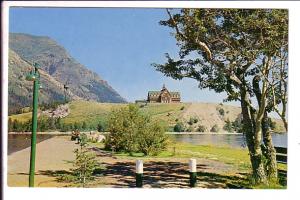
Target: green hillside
[[93, 112], [207, 114]]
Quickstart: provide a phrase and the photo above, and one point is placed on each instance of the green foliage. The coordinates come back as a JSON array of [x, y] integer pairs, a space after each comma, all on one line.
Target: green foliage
[[237, 125], [44, 124], [84, 126], [131, 131], [152, 139], [193, 120], [85, 163], [101, 126], [189, 129], [182, 108], [228, 126], [77, 126], [201, 128], [179, 127], [215, 128], [221, 112], [233, 51]]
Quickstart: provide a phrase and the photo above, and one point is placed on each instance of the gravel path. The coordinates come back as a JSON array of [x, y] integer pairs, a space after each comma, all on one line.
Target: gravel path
[[172, 172], [51, 155]]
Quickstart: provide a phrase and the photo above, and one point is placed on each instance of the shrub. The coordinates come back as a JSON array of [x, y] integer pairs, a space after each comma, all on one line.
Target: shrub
[[215, 128], [179, 127], [196, 120], [77, 126], [131, 131], [228, 126], [182, 108], [221, 112], [237, 125], [84, 126], [201, 128], [193, 120], [152, 140], [189, 129], [101, 127], [85, 163]]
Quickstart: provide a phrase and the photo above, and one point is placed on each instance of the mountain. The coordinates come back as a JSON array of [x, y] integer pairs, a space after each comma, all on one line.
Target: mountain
[[57, 69]]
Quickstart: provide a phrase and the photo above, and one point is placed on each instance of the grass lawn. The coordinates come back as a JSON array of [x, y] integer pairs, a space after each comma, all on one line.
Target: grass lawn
[[24, 117], [239, 158]]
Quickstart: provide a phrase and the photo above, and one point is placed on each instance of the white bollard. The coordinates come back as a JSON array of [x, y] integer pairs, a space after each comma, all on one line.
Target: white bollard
[[139, 173], [193, 165], [193, 172]]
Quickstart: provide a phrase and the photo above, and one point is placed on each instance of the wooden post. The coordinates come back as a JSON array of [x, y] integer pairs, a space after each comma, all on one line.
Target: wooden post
[[193, 172], [139, 173]]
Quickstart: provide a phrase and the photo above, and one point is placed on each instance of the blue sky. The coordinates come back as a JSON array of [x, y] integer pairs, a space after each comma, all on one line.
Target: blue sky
[[117, 43]]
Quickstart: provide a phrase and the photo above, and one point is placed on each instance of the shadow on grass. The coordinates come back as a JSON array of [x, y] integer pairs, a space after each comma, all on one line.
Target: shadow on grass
[[156, 175], [159, 174], [60, 175], [215, 180]]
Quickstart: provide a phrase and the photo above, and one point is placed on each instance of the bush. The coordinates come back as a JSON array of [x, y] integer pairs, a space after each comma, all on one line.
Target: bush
[[84, 126], [179, 127], [237, 125], [221, 112], [193, 120], [85, 163], [101, 127], [189, 129], [77, 126], [182, 108], [152, 140], [201, 128], [228, 126], [215, 128], [131, 131]]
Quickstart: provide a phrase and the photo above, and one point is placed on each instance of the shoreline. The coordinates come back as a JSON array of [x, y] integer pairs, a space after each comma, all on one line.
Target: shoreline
[[201, 133], [57, 133]]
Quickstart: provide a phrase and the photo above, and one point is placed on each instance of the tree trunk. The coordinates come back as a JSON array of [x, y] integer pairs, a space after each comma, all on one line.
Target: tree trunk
[[253, 142], [264, 128], [269, 150]]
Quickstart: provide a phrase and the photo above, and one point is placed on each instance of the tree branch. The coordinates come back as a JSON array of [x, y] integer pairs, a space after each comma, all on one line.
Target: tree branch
[[201, 44]]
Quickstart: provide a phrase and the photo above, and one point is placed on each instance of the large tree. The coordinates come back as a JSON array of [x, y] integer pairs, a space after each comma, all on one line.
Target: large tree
[[242, 52]]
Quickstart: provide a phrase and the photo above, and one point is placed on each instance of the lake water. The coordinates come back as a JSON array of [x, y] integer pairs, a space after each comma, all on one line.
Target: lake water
[[17, 142], [232, 140]]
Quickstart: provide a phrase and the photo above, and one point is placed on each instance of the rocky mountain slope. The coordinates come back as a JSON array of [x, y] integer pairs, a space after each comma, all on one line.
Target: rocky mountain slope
[[57, 68]]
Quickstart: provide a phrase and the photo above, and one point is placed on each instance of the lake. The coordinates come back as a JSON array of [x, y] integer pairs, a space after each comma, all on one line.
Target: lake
[[232, 140], [17, 142]]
